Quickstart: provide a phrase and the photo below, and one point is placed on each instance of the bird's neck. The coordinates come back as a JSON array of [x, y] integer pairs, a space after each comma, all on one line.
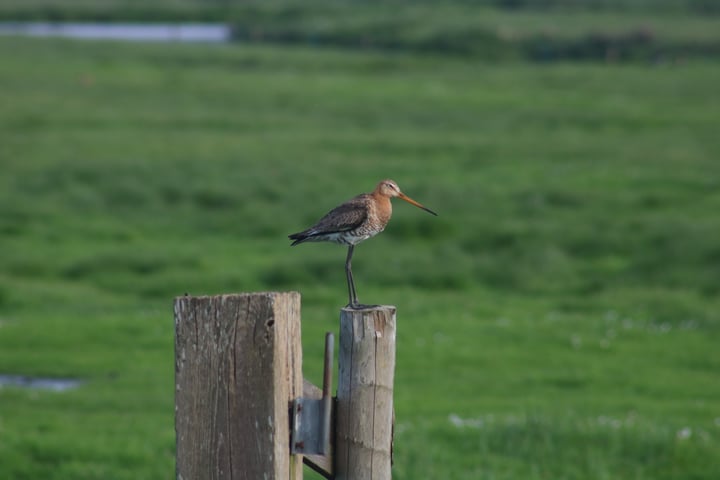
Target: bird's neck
[[383, 208]]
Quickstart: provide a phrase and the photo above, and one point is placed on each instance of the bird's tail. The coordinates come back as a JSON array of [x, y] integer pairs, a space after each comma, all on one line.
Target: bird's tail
[[299, 237]]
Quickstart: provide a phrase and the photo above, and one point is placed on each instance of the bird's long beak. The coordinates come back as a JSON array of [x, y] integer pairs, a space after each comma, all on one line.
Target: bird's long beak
[[413, 202]]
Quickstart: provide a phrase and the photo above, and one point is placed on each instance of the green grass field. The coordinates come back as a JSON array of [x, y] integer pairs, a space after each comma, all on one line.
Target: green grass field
[[558, 320]]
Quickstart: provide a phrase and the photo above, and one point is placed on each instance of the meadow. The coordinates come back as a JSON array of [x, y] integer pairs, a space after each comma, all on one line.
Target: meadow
[[557, 320]]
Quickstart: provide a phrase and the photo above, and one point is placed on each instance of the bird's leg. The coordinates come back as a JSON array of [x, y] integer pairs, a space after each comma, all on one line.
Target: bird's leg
[[351, 283]]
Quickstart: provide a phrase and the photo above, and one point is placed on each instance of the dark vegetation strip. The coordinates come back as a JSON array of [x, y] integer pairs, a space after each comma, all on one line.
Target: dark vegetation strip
[[408, 27]]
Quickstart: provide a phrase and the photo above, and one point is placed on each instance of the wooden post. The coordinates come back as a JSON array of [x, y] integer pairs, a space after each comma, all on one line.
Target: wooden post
[[237, 368], [365, 394]]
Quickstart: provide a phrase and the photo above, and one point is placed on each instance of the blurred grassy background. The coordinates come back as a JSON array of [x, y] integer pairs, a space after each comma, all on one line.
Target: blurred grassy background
[[538, 30], [557, 320]]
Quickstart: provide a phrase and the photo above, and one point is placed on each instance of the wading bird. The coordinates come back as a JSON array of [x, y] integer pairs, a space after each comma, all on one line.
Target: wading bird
[[356, 220]]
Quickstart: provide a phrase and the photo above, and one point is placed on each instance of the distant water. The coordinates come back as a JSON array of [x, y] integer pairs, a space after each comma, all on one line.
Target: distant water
[[38, 383], [151, 32]]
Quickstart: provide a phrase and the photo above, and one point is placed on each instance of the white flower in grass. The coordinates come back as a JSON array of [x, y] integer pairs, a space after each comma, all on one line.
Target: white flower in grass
[[460, 422]]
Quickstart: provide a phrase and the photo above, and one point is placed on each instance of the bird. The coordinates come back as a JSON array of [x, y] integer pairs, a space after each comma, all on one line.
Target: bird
[[354, 221]]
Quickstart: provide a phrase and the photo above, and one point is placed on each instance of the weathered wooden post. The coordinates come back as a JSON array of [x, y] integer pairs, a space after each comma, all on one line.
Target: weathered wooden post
[[238, 366], [239, 391], [364, 407]]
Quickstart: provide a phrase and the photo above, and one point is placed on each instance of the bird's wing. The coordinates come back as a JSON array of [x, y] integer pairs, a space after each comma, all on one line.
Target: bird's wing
[[342, 218]]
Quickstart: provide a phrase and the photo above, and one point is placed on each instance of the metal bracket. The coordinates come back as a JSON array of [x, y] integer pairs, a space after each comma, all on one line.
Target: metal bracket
[[311, 418]]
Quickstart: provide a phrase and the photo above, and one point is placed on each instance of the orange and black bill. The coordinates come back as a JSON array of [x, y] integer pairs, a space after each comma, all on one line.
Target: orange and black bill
[[417, 204]]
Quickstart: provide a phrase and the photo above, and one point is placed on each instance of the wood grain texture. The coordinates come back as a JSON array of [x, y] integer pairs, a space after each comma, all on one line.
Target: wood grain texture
[[238, 365], [365, 393]]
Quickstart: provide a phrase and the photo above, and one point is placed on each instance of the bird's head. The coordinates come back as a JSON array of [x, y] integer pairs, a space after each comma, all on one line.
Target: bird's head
[[389, 188]]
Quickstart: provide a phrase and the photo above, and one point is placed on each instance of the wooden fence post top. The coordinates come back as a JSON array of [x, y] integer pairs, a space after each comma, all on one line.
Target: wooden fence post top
[[370, 307], [391, 309], [228, 296]]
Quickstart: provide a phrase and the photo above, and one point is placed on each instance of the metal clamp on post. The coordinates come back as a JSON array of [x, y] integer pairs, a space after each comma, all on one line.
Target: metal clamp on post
[[311, 417]]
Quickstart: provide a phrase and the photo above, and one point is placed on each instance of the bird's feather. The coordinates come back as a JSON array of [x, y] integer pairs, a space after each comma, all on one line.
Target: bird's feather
[[343, 218]]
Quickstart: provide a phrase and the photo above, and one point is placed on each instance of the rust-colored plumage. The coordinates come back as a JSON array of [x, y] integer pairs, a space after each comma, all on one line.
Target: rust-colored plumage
[[356, 220]]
